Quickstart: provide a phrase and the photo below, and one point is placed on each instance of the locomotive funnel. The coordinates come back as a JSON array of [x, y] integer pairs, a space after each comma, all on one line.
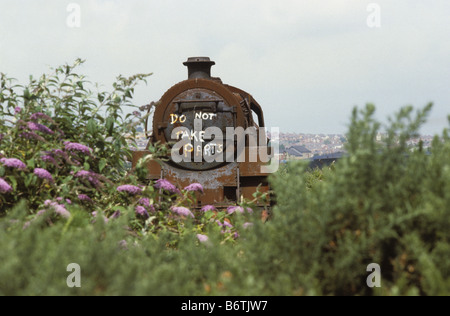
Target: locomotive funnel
[[199, 67]]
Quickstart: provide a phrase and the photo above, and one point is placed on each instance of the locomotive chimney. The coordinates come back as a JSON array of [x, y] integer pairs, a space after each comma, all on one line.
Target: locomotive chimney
[[199, 67]]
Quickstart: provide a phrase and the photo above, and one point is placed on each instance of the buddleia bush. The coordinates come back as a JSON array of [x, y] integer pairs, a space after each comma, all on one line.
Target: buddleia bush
[[65, 144]]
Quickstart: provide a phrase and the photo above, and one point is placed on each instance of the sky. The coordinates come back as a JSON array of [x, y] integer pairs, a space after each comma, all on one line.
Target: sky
[[307, 63]]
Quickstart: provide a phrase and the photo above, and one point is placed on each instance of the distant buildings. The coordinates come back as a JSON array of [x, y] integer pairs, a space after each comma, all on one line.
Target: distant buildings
[[298, 152], [306, 146]]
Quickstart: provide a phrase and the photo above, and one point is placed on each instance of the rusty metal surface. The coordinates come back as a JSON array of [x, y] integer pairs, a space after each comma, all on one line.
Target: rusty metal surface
[[217, 105]]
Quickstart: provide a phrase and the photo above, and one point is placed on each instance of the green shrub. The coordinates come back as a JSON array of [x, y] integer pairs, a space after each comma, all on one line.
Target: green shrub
[[382, 204]]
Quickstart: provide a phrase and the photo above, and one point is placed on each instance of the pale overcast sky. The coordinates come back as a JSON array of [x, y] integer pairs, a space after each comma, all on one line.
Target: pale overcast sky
[[308, 63]]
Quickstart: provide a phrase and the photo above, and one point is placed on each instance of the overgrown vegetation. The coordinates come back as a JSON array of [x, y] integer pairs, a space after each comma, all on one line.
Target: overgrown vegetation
[[66, 197]]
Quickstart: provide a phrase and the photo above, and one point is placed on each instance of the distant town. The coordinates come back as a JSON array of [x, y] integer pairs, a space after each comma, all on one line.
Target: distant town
[[295, 146]]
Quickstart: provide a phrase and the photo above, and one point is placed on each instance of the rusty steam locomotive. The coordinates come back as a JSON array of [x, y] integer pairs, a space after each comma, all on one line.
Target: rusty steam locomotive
[[184, 114]]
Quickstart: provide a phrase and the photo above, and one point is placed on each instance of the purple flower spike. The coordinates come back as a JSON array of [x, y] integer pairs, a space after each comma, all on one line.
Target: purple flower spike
[[207, 208], [43, 174], [92, 177], [145, 202], [140, 210], [13, 163], [57, 208], [182, 211], [247, 225], [131, 189], [4, 186], [39, 115], [194, 187], [232, 209], [39, 127], [49, 159], [166, 185], [227, 224], [61, 210], [17, 110], [84, 198], [238, 209], [116, 214], [224, 224], [32, 135], [77, 147], [202, 238]]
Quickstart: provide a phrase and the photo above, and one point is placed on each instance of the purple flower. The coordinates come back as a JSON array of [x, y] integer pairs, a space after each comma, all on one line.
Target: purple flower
[[39, 127], [39, 115], [140, 210], [247, 225], [43, 174], [60, 199], [225, 224], [95, 214], [41, 212], [194, 187], [232, 209], [57, 208], [1, 136], [55, 155], [13, 163], [32, 135], [92, 177], [77, 147], [17, 110], [145, 202], [61, 210], [137, 113], [166, 185], [207, 208], [239, 209], [116, 214], [182, 211], [58, 152], [202, 238], [49, 159], [4, 186], [131, 189], [84, 198]]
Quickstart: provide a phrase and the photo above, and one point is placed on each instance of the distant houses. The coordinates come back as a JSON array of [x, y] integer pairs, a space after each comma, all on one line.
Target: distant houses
[[298, 152]]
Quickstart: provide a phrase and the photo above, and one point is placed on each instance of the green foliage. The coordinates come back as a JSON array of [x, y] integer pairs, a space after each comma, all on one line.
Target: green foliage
[[382, 203]]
